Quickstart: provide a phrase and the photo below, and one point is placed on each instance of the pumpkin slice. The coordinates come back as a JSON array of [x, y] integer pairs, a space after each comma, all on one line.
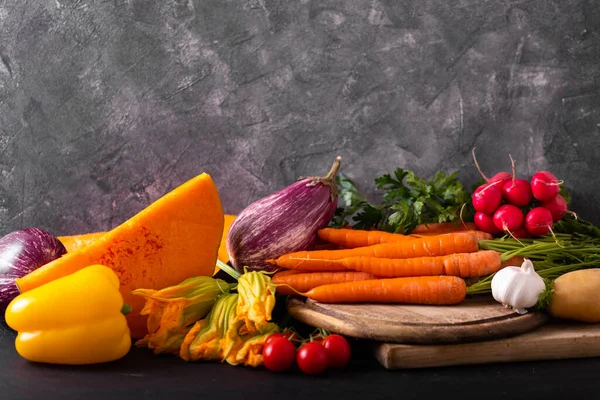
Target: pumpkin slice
[[172, 239], [76, 242], [223, 255]]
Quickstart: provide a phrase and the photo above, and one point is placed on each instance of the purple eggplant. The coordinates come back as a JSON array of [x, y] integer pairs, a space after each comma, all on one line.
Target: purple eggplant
[[283, 222], [21, 252]]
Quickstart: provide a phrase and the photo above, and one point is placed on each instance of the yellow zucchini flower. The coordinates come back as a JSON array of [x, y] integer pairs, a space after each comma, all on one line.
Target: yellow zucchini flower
[[172, 310], [203, 341], [257, 299]]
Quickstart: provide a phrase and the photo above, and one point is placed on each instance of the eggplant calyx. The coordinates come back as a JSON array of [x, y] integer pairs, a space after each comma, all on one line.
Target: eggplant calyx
[[327, 180]]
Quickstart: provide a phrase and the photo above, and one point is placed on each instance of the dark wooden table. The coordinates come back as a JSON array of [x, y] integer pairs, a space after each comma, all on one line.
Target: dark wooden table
[[143, 375]]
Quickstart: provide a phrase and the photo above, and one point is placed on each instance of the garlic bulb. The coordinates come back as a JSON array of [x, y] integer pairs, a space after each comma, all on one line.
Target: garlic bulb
[[518, 287]]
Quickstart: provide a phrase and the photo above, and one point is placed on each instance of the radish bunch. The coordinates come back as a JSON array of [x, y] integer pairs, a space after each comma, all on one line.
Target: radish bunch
[[505, 204]]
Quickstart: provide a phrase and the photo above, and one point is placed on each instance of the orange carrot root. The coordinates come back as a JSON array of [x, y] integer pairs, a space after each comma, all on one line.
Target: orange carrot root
[[291, 284], [435, 290], [352, 238], [444, 227], [514, 261], [480, 235], [469, 265], [427, 246], [464, 265]]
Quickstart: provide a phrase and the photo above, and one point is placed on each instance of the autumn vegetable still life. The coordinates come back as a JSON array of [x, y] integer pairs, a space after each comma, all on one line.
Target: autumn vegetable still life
[[185, 279]]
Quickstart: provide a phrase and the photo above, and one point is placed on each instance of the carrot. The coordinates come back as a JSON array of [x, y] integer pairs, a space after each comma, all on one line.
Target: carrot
[[287, 272], [351, 238], [308, 265], [464, 265], [411, 290], [480, 235], [427, 246], [468, 265], [304, 281], [444, 227], [514, 261]]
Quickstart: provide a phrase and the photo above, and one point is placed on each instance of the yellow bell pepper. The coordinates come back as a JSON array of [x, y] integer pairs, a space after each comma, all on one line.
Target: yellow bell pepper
[[75, 319]]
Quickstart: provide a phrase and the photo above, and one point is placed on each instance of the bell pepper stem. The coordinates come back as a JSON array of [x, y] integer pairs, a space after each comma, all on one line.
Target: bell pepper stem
[[126, 309]]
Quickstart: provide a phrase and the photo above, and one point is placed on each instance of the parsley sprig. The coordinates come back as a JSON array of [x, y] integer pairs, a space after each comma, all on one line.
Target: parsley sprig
[[407, 201]]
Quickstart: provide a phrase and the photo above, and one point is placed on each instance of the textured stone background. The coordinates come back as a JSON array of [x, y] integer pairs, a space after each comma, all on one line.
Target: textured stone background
[[107, 105]]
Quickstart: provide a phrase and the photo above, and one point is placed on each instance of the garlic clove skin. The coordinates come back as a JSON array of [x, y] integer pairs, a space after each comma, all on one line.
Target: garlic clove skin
[[518, 287]]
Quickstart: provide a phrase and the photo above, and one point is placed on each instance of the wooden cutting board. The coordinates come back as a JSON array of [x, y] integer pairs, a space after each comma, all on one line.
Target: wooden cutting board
[[478, 331], [551, 341], [474, 319]]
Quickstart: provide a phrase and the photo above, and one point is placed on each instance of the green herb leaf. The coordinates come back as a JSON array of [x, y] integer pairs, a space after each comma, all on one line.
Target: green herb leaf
[[576, 226], [356, 206], [368, 217], [565, 193], [407, 201]]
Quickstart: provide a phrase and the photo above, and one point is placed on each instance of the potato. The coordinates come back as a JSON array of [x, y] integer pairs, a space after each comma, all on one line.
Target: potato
[[576, 296]]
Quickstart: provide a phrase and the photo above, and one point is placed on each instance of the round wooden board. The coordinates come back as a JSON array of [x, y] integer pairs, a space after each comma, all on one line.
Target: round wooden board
[[474, 319]]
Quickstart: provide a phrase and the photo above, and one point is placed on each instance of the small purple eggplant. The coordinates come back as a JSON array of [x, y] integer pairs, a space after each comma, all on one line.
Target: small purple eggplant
[[22, 252], [283, 222]]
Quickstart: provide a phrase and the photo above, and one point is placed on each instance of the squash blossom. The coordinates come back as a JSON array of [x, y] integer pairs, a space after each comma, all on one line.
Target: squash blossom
[[172, 310], [237, 327], [204, 340], [75, 319], [250, 351], [257, 299]]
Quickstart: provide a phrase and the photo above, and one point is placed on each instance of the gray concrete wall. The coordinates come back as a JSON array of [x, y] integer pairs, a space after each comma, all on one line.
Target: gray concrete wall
[[105, 106]]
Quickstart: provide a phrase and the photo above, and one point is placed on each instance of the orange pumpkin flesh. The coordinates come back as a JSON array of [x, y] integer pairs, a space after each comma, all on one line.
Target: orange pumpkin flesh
[[172, 239]]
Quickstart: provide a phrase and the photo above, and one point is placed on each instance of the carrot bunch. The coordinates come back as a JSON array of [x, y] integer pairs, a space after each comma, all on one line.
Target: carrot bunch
[[426, 267]]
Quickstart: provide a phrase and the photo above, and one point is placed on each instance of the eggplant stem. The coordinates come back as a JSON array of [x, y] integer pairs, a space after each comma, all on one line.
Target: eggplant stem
[[327, 180], [335, 168]]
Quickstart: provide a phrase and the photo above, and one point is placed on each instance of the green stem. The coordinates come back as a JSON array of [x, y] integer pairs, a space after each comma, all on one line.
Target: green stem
[[552, 255], [550, 273], [228, 270]]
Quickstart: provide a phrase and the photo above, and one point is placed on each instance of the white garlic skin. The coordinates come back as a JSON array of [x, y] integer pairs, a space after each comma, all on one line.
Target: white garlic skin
[[518, 287]]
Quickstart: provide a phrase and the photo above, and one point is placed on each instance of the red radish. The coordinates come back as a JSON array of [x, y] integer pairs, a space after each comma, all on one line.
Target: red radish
[[544, 185], [486, 198], [508, 218], [557, 207], [520, 233], [538, 221], [517, 192], [484, 222], [500, 176]]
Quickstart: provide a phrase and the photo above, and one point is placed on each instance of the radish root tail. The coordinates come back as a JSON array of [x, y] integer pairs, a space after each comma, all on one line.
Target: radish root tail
[[460, 215], [477, 165], [555, 238], [512, 236], [512, 163], [489, 185]]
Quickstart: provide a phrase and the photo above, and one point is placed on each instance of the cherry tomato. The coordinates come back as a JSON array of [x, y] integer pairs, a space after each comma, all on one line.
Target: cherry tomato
[[312, 358], [272, 337], [290, 335], [338, 351], [278, 354]]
